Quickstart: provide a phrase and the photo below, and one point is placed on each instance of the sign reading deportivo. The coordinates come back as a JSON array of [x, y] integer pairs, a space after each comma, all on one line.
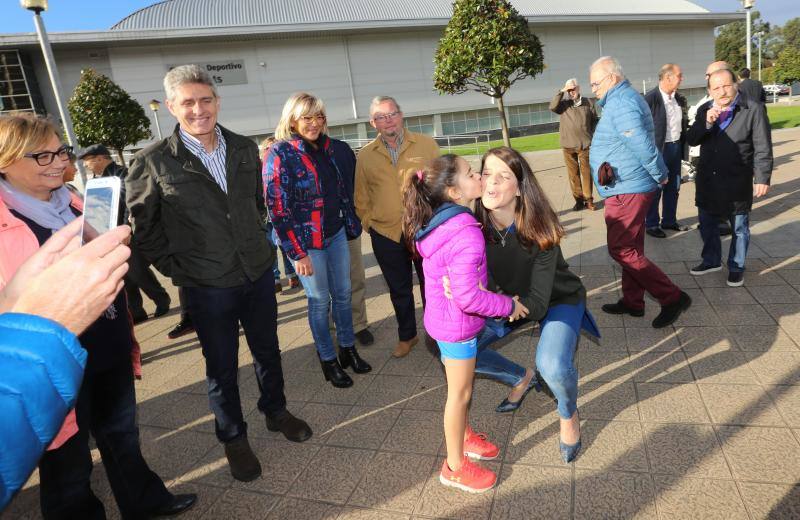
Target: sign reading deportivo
[[223, 72]]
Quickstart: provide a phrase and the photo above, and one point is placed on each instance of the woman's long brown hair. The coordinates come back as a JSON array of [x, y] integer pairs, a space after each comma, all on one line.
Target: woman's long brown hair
[[534, 217], [425, 191]]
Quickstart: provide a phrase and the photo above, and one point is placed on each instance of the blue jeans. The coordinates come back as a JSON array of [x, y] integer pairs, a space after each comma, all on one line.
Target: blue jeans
[[330, 283], [288, 267], [555, 353], [669, 192], [712, 244]]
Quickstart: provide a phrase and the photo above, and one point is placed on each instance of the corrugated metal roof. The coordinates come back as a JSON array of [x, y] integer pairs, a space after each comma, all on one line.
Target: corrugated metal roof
[[193, 14]]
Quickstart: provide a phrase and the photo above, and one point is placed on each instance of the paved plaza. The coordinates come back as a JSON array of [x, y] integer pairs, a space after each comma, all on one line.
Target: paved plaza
[[698, 420]]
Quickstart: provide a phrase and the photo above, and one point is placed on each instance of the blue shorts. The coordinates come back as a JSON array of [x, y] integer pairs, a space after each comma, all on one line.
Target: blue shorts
[[458, 350]]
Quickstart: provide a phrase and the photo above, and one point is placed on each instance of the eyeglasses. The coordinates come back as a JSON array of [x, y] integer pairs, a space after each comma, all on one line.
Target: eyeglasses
[[597, 83], [319, 118], [382, 118], [46, 158]]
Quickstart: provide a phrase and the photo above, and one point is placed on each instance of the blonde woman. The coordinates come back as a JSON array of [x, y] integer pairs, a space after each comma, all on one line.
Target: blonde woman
[[308, 182]]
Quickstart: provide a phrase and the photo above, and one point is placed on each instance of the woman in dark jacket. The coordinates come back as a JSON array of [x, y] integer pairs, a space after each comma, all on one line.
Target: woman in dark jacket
[[524, 258], [308, 179]]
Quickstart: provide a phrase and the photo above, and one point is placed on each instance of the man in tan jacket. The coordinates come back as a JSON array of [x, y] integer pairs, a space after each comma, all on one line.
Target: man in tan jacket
[[381, 167], [577, 117]]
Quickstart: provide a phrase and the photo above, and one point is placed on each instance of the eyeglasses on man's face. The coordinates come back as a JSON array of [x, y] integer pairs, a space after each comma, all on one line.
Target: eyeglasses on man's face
[[382, 118], [319, 119], [46, 158], [597, 83]]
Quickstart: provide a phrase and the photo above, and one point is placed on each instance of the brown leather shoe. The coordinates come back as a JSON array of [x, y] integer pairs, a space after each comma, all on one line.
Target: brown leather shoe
[[404, 347], [590, 205]]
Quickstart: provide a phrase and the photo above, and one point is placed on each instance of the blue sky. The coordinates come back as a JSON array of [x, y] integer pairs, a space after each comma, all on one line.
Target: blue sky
[[77, 15]]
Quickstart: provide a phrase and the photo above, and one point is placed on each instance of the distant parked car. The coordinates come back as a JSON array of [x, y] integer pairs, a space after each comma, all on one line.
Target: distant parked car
[[781, 90]]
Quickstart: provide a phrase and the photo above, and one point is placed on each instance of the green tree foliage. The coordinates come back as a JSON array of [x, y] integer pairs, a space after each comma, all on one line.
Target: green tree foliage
[[787, 66], [104, 113], [789, 35], [731, 42], [487, 47]]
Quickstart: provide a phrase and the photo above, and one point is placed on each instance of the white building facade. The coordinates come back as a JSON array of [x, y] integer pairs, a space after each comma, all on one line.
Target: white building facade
[[348, 51]]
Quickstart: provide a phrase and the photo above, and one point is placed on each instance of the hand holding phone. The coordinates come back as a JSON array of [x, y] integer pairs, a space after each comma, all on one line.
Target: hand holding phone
[[100, 207]]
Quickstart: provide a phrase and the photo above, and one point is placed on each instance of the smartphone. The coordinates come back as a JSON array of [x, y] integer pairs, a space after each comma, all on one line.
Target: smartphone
[[100, 206]]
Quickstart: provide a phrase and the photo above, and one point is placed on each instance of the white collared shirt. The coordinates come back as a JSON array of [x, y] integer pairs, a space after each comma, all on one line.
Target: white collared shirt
[[674, 117], [214, 161]]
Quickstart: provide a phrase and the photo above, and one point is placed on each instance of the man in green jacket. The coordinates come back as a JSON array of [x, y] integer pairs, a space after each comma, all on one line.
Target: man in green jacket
[[196, 202]]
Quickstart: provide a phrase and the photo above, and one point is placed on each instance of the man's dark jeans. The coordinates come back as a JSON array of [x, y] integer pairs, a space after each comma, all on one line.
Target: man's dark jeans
[[216, 314], [668, 193], [395, 262], [106, 406]]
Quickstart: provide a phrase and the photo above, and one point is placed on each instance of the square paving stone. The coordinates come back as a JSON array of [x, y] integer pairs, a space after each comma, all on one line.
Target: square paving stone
[[614, 494], [686, 450], [698, 339], [190, 412], [764, 454], [332, 474], [775, 294], [440, 501], [429, 394], [698, 316], [414, 364], [393, 481], [695, 498], [241, 504], [652, 340], [786, 314], [740, 405], [329, 394], [486, 395], [322, 418], [668, 403], [416, 431], [534, 440], [608, 401], [295, 509], [350, 513], [613, 338], [762, 338], [363, 427], [171, 454], [777, 368], [206, 496], [722, 364], [388, 390], [661, 367], [787, 399], [532, 492], [773, 501], [612, 445], [728, 296], [597, 364], [743, 314]]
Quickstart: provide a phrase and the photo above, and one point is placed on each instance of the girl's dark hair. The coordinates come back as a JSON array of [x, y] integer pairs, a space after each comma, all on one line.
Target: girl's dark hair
[[426, 190], [535, 220]]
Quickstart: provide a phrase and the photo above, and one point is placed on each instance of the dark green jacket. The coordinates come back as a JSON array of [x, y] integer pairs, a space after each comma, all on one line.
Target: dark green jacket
[[187, 226]]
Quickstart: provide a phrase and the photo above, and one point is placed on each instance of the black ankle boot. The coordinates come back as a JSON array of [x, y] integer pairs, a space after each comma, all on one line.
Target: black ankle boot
[[348, 357], [333, 372]]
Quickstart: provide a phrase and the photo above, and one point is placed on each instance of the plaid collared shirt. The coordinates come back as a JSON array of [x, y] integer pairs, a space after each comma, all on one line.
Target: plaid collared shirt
[[213, 161], [394, 153]]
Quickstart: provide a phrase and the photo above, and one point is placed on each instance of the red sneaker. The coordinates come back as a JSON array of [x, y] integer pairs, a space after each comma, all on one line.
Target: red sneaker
[[477, 446], [471, 477]]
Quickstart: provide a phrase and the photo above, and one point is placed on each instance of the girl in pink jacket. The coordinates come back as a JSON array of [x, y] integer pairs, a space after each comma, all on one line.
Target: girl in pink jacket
[[439, 224]]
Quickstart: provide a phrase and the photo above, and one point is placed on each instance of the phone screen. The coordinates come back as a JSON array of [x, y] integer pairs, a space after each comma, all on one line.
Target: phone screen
[[97, 212]]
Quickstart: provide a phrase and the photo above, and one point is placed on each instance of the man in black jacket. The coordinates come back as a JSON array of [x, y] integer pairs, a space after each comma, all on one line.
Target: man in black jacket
[[751, 88], [735, 141], [97, 159], [670, 120], [197, 203]]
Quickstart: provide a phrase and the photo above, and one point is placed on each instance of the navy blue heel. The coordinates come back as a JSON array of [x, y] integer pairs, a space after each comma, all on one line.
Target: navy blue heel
[[509, 406]]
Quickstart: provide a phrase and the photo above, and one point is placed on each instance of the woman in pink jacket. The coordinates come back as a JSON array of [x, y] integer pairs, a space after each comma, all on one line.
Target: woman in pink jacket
[[450, 241]]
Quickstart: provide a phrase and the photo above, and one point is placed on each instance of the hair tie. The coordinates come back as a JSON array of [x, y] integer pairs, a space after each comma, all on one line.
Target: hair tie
[[421, 175]]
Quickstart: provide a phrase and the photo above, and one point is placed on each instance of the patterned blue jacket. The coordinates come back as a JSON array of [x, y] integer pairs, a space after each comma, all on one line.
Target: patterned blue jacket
[[294, 194], [624, 138]]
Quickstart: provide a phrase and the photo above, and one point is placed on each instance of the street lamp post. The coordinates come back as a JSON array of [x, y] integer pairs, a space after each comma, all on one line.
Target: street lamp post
[[154, 104], [748, 7], [37, 6], [759, 34]]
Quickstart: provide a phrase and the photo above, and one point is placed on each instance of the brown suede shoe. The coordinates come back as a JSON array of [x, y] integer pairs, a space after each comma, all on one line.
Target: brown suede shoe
[[404, 347]]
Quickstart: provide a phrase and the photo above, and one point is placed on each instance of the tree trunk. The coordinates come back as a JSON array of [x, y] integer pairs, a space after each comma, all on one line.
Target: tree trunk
[[120, 157], [503, 123]]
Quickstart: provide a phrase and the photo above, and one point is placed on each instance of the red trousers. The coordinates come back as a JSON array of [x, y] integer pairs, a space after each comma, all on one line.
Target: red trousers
[[624, 216]]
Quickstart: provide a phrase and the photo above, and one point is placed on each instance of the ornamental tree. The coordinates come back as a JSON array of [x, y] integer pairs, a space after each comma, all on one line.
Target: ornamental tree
[[487, 47], [102, 112], [787, 66]]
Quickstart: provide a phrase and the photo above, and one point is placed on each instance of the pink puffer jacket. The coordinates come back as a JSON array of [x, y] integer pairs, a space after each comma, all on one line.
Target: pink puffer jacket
[[452, 245]]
